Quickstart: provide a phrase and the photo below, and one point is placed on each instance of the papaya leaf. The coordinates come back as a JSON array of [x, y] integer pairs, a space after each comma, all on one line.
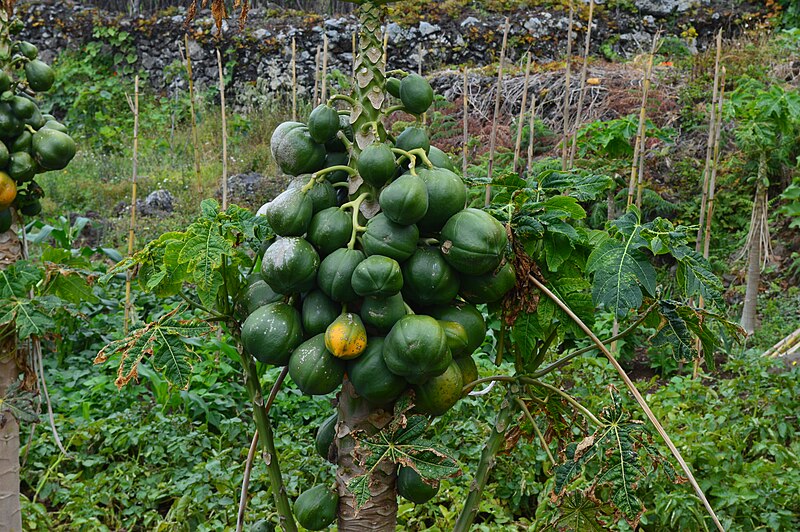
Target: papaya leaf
[[695, 278], [69, 284], [359, 487], [619, 273], [564, 207], [526, 332], [400, 442], [673, 332], [577, 512], [18, 279], [164, 340], [30, 316], [20, 403], [624, 454]]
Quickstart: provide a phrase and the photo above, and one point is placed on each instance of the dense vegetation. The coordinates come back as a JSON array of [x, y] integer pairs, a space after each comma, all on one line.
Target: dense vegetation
[[149, 456]]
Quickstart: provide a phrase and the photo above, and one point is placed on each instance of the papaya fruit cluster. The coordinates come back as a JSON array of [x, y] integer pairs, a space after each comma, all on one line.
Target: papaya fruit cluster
[[377, 267], [31, 142]]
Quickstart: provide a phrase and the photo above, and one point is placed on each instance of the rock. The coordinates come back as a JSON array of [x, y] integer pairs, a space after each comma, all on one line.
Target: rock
[[665, 7], [159, 200], [426, 28]]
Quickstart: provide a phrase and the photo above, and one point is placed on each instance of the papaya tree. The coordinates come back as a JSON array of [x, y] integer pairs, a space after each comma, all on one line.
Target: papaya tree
[[768, 123], [371, 278], [30, 143]]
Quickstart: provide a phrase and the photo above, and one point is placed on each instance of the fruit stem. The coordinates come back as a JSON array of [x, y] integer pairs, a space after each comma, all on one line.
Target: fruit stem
[[392, 109], [355, 205], [397, 72], [328, 170], [421, 153], [343, 138], [412, 159], [342, 97], [503, 378]]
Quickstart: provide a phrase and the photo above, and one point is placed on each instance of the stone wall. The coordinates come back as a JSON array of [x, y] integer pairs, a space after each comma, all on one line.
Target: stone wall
[[261, 57]]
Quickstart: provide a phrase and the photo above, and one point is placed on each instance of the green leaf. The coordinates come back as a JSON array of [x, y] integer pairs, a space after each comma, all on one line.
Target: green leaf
[[400, 442], [578, 513], [618, 272], [164, 341], [359, 487], [624, 454], [696, 279], [673, 332], [564, 207], [20, 403]]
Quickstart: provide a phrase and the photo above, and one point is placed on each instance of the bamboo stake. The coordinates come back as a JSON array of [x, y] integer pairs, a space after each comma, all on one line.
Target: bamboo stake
[[639, 144], [354, 54], [581, 95], [195, 140], [712, 120], [785, 346], [565, 107], [493, 136], [642, 158], [324, 68], [465, 112], [714, 165], [294, 79], [717, 127], [532, 127], [224, 133], [419, 58], [316, 75], [134, 106], [522, 110]]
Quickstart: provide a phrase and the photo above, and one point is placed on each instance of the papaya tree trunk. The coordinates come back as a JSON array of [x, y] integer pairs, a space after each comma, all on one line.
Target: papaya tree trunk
[[757, 248], [10, 514], [755, 243], [379, 513]]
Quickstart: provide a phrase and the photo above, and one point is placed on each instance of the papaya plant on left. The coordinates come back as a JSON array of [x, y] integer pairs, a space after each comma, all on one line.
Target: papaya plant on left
[[30, 143]]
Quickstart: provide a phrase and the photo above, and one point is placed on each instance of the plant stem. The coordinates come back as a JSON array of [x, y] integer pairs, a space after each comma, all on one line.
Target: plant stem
[[485, 465], [503, 378], [565, 360], [571, 400], [252, 451], [638, 396], [538, 432], [267, 439]]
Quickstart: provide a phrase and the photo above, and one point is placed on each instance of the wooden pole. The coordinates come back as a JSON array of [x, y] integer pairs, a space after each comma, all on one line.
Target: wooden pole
[[532, 127], [493, 136], [134, 105], [582, 94], [224, 133], [195, 140], [294, 79], [714, 165], [522, 110], [316, 99], [632, 184], [567, 90], [465, 113], [712, 121], [324, 68]]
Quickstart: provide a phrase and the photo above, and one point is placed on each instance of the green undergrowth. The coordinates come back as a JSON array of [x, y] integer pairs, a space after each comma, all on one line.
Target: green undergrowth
[[146, 458]]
